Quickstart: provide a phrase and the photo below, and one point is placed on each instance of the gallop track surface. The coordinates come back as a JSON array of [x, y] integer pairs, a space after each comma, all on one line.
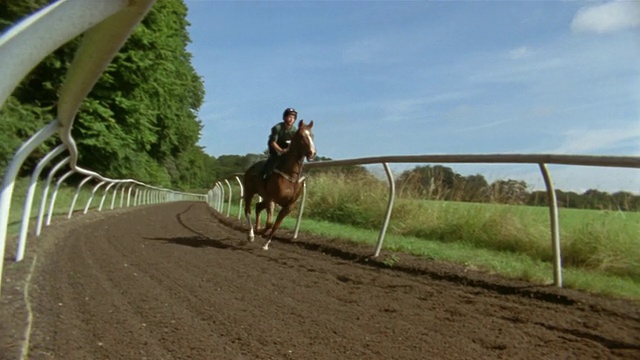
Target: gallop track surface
[[176, 281]]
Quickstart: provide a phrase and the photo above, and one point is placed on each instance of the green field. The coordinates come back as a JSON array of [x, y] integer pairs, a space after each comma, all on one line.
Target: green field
[[600, 251]]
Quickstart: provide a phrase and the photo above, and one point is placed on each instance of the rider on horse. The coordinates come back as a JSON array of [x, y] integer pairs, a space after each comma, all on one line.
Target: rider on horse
[[279, 139]]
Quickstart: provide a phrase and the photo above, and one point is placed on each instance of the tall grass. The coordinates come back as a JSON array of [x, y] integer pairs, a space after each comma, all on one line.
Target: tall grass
[[592, 240]]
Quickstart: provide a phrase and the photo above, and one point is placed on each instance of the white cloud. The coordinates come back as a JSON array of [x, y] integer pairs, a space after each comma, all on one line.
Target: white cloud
[[520, 53], [608, 17], [594, 141]]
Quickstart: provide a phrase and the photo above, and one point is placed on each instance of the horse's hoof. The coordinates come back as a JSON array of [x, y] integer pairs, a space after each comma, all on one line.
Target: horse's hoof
[[250, 237], [265, 247]]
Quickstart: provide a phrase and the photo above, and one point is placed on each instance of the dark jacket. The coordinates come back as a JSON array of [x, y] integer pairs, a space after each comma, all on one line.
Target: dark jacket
[[281, 136]]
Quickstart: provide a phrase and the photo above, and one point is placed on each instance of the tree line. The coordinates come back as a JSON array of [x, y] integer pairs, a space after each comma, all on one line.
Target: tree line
[[442, 183]]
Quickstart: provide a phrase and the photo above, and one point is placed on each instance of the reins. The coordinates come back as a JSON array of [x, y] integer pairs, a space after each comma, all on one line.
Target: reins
[[295, 177], [289, 178]]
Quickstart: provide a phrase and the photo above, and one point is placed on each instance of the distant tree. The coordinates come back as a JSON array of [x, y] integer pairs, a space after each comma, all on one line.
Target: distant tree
[[596, 199], [509, 192], [569, 199], [476, 189], [437, 182], [625, 201]]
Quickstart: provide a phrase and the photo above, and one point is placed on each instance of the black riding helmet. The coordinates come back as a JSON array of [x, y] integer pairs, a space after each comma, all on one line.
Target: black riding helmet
[[289, 111]]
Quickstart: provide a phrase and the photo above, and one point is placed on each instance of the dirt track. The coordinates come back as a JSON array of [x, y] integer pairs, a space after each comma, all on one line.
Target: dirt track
[[174, 282]]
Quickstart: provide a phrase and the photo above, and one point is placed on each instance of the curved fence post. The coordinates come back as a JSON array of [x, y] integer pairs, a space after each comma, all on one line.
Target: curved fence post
[[129, 195], [115, 194], [392, 194], [555, 228], [209, 195], [122, 195], [299, 220], [8, 181], [241, 197], [28, 202], [45, 192], [136, 195], [93, 192], [104, 196], [230, 195], [141, 196], [75, 195], [54, 194], [220, 202], [215, 195]]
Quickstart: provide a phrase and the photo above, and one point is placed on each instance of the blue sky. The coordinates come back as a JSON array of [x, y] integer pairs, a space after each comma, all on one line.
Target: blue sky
[[428, 77]]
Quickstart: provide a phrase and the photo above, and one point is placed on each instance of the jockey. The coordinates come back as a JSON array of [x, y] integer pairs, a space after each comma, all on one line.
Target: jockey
[[279, 139]]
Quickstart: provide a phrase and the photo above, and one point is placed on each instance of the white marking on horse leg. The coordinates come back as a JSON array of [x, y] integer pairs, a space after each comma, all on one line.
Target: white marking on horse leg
[[250, 235], [266, 245]]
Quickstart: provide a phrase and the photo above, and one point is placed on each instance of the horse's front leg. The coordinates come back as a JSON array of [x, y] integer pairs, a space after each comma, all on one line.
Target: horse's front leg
[[247, 215], [281, 215], [265, 204], [269, 222]]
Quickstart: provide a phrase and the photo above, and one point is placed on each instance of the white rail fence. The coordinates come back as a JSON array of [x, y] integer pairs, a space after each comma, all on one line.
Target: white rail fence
[[216, 196], [106, 25]]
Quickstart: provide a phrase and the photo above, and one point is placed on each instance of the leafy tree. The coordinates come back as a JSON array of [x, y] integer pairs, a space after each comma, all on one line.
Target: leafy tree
[[139, 120], [509, 192], [475, 189], [595, 199], [625, 201], [437, 182], [144, 108]]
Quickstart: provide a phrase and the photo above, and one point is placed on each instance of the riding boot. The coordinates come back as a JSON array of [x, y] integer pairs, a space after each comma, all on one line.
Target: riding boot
[[268, 167]]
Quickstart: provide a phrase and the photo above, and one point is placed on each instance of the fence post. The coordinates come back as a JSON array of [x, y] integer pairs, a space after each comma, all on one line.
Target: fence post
[[392, 195], [241, 198], [304, 197], [229, 198], [555, 228], [8, 182]]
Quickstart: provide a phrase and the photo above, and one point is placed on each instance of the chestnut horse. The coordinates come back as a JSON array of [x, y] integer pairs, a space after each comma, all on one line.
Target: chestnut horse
[[282, 187]]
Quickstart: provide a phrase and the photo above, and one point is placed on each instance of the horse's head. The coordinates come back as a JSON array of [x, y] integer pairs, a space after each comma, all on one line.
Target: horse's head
[[304, 139]]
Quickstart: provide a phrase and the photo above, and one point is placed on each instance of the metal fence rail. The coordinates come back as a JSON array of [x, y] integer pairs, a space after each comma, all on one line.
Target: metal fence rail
[[541, 160]]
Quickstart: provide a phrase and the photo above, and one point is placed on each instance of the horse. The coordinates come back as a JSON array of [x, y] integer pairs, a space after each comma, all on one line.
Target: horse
[[283, 186]]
